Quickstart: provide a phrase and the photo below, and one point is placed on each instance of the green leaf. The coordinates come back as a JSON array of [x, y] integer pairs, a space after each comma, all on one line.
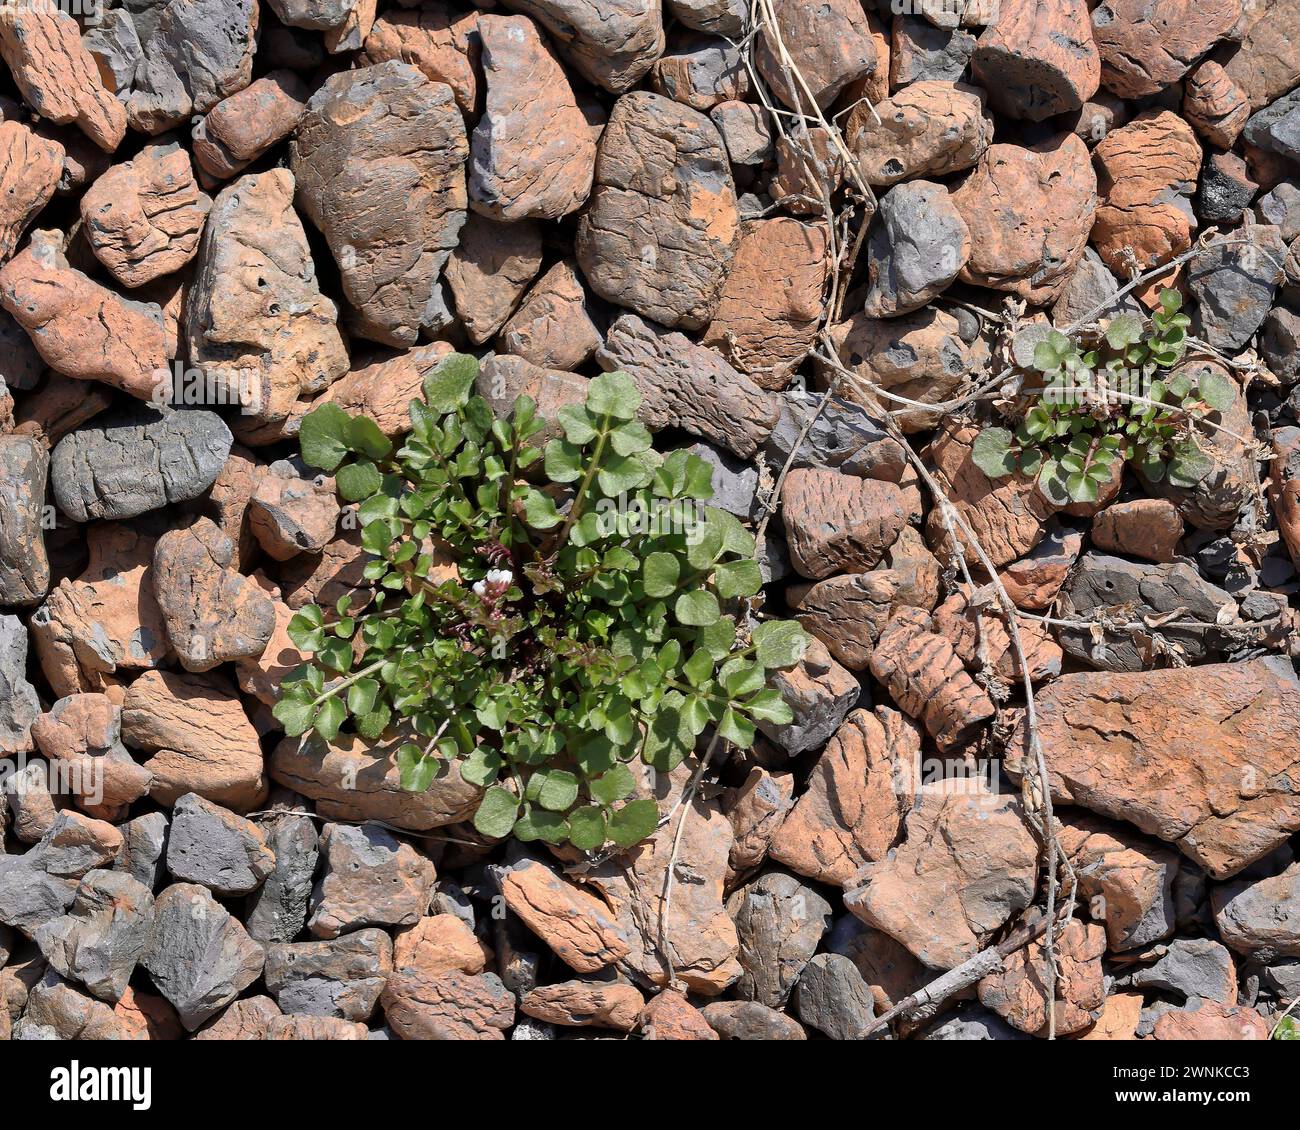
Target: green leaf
[[1218, 391], [495, 816], [539, 510], [736, 729], [587, 828], [330, 718], [362, 695], [482, 766], [613, 394], [634, 822], [563, 462], [323, 437], [738, 578], [535, 824], [769, 706], [1124, 330], [992, 452], [576, 424], [780, 643], [364, 436], [697, 609], [609, 788], [447, 385], [1189, 466], [699, 668], [305, 629], [357, 481], [294, 714], [559, 790]]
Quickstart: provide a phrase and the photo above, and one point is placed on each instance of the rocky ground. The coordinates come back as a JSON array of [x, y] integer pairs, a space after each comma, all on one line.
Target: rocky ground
[[746, 206]]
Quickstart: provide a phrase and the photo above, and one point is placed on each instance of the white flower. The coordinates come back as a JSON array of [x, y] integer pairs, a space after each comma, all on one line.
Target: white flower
[[496, 582]]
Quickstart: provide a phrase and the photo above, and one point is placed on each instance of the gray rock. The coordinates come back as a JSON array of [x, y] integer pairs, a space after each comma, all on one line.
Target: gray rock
[[735, 482], [722, 17], [975, 1023], [145, 14], [24, 566], [8, 943], [19, 705], [916, 249], [103, 935], [342, 977], [199, 956], [749, 1020], [277, 911], [1226, 190], [1191, 967], [779, 920], [1277, 127], [200, 52], [29, 897], [844, 437], [449, 897], [746, 132], [926, 52], [144, 845], [213, 846], [370, 879], [1281, 208], [136, 459], [317, 15], [1260, 918], [1280, 344], [21, 366], [115, 46], [701, 70], [820, 692], [1234, 285], [1089, 286], [1101, 583], [28, 802], [832, 997], [1283, 977], [75, 845]]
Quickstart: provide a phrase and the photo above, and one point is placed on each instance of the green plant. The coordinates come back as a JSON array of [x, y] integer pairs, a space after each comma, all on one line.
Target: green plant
[[543, 646], [1111, 401], [1287, 1029]]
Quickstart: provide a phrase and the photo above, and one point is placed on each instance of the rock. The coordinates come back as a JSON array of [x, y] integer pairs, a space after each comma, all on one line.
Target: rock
[[1102, 585], [1149, 528], [1279, 342], [352, 780], [22, 366], [579, 927], [440, 943], [922, 52], [533, 153], [144, 845], [722, 17], [81, 329], [132, 460], [1145, 49], [976, 1023], [830, 45], [200, 53], [19, 705], [319, 15], [772, 300], [749, 1020], [927, 129], [103, 935], [379, 162], [502, 379], [612, 46], [1191, 967], [835, 521], [290, 513], [1206, 1020], [57, 1010], [686, 386], [746, 131], [1019, 993], [247, 1019], [256, 322], [1259, 918], [919, 356], [29, 898], [756, 810], [917, 251], [82, 734], [24, 566], [383, 390], [1029, 212], [979, 636], [820, 693], [843, 436], [967, 866], [735, 482], [1143, 169], [239, 129], [115, 46], [277, 910], [1120, 1013], [926, 678], [1038, 60], [75, 844], [315, 1027], [1211, 779], [343, 977], [370, 879], [200, 737], [701, 71], [1127, 882], [1284, 492], [1234, 285], [212, 846], [1268, 63], [580, 1004], [858, 795], [551, 328], [1215, 105], [810, 169], [30, 168], [1226, 189], [779, 922], [1090, 293], [832, 997], [669, 1016], [199, 956], [661, 228], [56, 75], [847, 612], [440, 42], [490, 270], [449, 1006]]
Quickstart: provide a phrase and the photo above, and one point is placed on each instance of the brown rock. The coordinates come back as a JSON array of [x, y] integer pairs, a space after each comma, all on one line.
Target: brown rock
[[440, 943], [352, 32], [75, 845], [58, 1005], [212, 614], [227, 501], [350, 779], [247, 1019], [820, 693], [1033, 582], [889, 969], [315, 1027], [255, 319], [1146, 47], [669, 1016], [289, 514], [143, 218], [200, 737], [146, 1016], [829, 44], [57, 75], [749, 1020], [440, 42], [1141, 169], [835, 521], [239, 129], [927, 129], [1260, 918], [379, 160], [30, 169], [686, 386], [552, 328], [533, 153], [970, 629], [262, 675], [1268, 63], [847, 612], [701, 71], [1030, 212], [24, 564], [661, 228], [1019, 994], [1213, 777], [810, 169], [1149, 528], [80, 328], [968, 865], [1037, 60], [383, 389], [1215, 105], [773, 299], [858, 795], [489, 271], [448, 1006], [1208, 1020], [1284, 488], [756, 809], [581, 1004], [1120, 1014], [502, 379]]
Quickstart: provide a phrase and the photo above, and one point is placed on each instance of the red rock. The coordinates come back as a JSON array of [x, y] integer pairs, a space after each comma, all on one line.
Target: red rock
[[370, 879], [315, 1027], [810, 169], [1019, 994], [489, 271], [669, 1016], [440, 943], [847, 612], [1120, 1015], [581, 1004], [24, 562], [1207, 1020], [701, 71], [927, 129], [756, 809], [289, 514], [749, 1020], [262, 675], [247, 1019], [1149, 528], [502, 379], [1147, 47], [30, 169], [1033, 582], [971, 633], [829, 44], [1284, 488], [450, 1006], [836, 521], [1268, 63], [440, 42], [383, 389], [578, 926], [552, 328], [1215, 105], [228, 497], [239, 129]]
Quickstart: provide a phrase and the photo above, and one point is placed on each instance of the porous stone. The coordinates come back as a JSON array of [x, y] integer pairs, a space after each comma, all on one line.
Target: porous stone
[[74, 845], [722, 17], [842, 435], [820, 693], [1208, 1020], [438, 40], [670, 1016], [701, 71], [756, 809], [115, 46], [917, 250], [1149, 528], [581, 1004], [144, 846], [341, 977], [552, 328], [1190, 968], [440, 943], [212, 846], [923, 52], [290, 513], [835, 521], [277, 910], [370, 879], [19, 704], [927, 129], [1215, 105], [1147, 47], [1234, 283], [1260, 918], [746, 131], [750, 1020], [1020, 994], [30, 169], [448, 1006], [1226, 189], [830, 45], [832, 997], [239, 129]]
